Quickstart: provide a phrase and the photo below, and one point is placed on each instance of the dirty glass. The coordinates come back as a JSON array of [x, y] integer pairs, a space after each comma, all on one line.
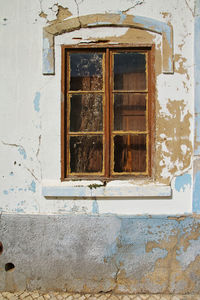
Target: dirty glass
[[129, 71], [130, 112], [86, 112], [86, 72], [86, 154], [130, 153]]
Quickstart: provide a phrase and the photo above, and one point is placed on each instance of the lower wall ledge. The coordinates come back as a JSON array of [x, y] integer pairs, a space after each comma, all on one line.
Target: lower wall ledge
[[95, 189], [101, 296]]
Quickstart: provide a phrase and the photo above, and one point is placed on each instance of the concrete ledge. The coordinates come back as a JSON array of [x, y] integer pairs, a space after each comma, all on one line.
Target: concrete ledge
[[95, 189], [71, 296]]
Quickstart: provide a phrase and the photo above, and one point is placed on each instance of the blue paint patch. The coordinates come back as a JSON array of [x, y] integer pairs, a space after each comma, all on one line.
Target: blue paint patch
[[183, 181], [196, 193], [22, 152], [48, 67], [37, 102], [170, 63], [122, 17], [149, 23], [197, 133], [19, 210], [5, 192], [155, 26], [95, 207], [167, 31], [32, 187], [186, 256]]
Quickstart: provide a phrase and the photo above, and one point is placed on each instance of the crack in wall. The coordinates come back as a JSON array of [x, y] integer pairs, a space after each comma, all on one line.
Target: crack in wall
[[20, 147], [31, 172], [39, 143], [192, 12], [13, 145], [133, 6], [78, 13]]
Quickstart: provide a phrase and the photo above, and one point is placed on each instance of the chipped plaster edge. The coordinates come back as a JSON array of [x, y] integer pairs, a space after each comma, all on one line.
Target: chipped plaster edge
[[99, 20]]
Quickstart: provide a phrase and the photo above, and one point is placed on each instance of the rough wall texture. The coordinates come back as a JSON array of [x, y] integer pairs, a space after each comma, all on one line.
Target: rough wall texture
[[100, 254], [82, 248], [71, 296]]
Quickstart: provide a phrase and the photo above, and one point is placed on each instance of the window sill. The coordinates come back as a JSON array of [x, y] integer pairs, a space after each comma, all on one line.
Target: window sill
[[95, 189]]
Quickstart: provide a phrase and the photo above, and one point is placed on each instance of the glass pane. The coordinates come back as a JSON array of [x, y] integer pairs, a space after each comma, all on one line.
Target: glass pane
[[130, 112], [130, 153], [86, 154], [86, 71], [129, 71], [86, 113]]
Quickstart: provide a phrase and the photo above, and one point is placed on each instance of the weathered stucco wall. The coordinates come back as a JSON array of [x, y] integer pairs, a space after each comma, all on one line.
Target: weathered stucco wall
[[57, 237]]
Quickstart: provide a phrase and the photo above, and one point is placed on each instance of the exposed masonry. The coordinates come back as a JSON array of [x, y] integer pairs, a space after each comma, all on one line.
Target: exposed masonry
[[71, 296]]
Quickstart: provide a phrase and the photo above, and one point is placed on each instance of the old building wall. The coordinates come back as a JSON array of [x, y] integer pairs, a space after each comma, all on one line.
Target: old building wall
[[54, 230]]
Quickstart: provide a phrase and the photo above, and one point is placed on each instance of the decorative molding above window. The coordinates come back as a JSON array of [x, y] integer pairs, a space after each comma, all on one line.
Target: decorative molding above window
[[100, 20]]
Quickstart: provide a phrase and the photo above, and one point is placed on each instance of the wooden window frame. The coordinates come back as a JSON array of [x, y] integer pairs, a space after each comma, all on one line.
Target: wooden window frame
[[150, 50]]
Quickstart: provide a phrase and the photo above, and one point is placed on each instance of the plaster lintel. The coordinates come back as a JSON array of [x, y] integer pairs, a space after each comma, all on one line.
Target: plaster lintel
[[114, 189], [99, 20]]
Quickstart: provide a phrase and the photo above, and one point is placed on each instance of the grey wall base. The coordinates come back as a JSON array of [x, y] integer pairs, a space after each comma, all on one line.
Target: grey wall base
[[94, 254]]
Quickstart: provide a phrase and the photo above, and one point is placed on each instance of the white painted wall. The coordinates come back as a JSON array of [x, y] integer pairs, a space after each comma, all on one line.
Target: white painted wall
[[30, 105]]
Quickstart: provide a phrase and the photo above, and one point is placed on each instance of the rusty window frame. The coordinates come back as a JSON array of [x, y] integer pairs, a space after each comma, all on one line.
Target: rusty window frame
[[108, 51]]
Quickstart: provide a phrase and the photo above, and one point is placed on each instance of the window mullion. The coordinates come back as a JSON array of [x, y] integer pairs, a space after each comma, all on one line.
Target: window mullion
[[106, 115]]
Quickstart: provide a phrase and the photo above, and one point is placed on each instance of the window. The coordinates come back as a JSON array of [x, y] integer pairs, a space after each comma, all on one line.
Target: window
[[107, 112]]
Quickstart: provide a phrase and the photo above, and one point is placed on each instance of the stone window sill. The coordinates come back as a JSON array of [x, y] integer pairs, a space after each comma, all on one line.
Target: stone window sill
[[95, 189]]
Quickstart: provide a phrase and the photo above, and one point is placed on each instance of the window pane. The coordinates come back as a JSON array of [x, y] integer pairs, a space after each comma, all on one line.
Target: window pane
[[86, 113], [129, 71], [130, 112], [130, 153], [86, 71], [86, 154]]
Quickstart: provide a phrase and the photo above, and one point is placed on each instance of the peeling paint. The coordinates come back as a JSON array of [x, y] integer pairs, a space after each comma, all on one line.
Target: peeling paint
[[122, 17], [98, 20], [95, 207], [36, 102], [22, 152], [62, 14], [48, 54], [32, 187], [182, 182], [196, 193], [173, 130]]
